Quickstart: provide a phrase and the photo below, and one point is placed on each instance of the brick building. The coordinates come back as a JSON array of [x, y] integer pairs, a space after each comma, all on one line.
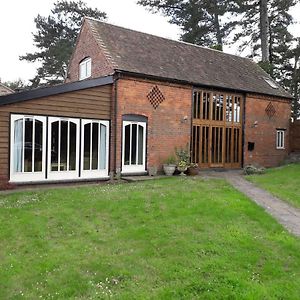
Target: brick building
[[130, 98]]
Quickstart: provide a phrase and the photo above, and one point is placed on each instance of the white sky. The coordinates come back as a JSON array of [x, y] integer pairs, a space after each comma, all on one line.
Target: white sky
[[17, 25]]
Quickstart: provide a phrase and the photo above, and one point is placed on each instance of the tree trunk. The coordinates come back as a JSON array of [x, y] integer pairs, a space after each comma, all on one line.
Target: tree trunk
[[264, 30], [217, 24], [295, 89]]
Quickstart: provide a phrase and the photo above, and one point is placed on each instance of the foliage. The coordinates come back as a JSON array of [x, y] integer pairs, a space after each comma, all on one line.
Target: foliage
[[182, 164], [174, 238], [183, 154], [16, 85], [55, 39], [171, 160], [202, 22], [283, 182]]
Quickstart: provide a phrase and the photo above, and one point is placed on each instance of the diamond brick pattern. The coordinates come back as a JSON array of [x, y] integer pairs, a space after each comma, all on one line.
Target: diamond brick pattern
[[270, 110], [155, 97]]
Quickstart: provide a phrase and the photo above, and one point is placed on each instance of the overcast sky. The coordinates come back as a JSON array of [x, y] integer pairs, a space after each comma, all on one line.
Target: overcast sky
[[17, 25]]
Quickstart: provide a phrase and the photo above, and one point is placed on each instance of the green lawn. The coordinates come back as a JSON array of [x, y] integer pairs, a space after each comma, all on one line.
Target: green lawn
[[283, 182], [176, 238]]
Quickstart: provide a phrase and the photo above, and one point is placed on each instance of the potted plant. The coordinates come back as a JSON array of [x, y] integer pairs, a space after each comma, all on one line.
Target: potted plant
[[182, 167], [170, 165], [183, 156], [193, 169]]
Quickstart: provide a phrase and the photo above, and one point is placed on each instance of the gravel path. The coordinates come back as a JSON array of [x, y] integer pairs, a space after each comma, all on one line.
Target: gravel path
[[285, 214]]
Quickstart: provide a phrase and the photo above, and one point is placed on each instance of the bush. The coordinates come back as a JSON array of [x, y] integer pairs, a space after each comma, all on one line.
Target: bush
[[251, 169]]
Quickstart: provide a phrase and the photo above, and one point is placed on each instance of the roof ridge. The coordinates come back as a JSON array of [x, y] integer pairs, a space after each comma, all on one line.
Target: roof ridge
[[101, 43], [169, 39]]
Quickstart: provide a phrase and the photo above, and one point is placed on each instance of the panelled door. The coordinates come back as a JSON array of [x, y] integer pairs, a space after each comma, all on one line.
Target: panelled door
[[217, 129]]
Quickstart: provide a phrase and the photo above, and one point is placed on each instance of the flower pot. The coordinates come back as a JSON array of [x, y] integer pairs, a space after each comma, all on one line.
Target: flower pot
[[152, 171], [191, 171], [169, 169], [182, 170]]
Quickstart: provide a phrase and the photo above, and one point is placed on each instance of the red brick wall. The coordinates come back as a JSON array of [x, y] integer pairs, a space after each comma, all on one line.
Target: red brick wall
[[295, 136], [263, 134], [166, 125], [87, 46]]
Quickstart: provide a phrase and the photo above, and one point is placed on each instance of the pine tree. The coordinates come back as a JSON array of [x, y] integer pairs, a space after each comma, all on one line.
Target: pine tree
[[55, 39], [202, 22]]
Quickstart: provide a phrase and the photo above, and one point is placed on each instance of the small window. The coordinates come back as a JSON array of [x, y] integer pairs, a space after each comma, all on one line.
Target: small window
[[280, 139], [85, 68], [271, 83]]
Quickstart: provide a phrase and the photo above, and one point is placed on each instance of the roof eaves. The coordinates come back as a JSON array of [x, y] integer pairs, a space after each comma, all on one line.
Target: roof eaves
[[54, 90], [196, 84]]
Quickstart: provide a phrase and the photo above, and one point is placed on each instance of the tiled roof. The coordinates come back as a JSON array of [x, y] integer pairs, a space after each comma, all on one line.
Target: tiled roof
[[142, 53], [4, 90]]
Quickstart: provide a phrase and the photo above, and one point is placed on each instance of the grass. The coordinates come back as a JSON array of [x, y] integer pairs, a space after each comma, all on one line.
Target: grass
[[176, 238], [283, 182]]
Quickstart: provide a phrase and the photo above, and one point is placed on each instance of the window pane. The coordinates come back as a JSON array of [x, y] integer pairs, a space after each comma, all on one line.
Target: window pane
[[18, 145], [133, 144], [81, 71], [141, 145], [28, 145], [54, 146], [229, 109], [88, 68], [63, 145], [102, 147], [95, 146], [38, 146], [87, 144], [72, 147], [127, 145]]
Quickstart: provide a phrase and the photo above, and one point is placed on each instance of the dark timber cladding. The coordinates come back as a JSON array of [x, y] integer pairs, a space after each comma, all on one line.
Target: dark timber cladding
[[89, 103], [217, 129]]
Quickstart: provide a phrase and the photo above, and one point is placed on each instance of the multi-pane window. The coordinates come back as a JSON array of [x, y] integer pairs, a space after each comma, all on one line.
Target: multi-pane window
[[280, 139], [54, 154], [217, 106], [85, 68]]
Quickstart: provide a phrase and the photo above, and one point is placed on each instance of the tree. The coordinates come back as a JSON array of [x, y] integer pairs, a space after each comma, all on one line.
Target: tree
[[264, 28], [55, 39], [202, 22], [16, 85]]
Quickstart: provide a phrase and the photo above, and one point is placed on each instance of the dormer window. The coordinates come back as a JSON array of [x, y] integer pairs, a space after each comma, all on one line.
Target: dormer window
[[85, 68]]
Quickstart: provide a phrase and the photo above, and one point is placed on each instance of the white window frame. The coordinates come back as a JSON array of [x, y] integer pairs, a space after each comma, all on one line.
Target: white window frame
[[280, 139], [27, 176], [85, 68], [99, 172], [63, 175], [133, 168]]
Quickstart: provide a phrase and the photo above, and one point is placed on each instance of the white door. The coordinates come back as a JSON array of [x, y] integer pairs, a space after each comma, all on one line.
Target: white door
[[94, 148], [28, 148], [63, 148], [134, 147]]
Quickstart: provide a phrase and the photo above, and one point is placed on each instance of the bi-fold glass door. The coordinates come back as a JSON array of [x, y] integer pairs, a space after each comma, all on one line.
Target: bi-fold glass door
[[134, 147], [94, 148], [28, 150], [63, 148]]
